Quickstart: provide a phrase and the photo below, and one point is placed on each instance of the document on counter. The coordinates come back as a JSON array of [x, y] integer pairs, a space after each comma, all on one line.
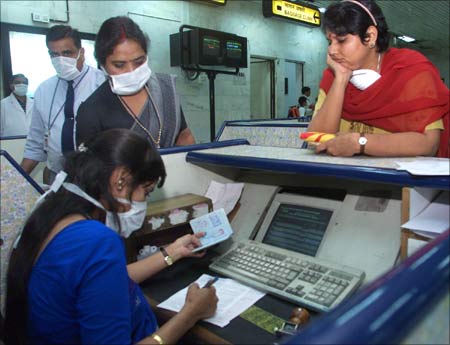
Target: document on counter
[[224, 195], [434, 219], [423, 166], [234, 298], [216, 226]]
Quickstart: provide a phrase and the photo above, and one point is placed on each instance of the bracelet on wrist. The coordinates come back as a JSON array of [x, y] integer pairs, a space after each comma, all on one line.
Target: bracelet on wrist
[[157, 338]]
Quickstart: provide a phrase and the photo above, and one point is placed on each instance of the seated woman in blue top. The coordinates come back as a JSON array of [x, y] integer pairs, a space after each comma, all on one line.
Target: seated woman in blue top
[[68, 281]]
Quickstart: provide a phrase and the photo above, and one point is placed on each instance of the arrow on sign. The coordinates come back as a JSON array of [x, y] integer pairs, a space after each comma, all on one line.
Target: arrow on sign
[[316, 17]]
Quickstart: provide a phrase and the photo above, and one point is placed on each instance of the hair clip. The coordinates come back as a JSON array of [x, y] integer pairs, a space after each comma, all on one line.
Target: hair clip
[[82, 148]]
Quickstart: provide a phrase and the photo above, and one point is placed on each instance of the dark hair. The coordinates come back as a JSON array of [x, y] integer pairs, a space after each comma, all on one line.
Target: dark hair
[[114, 31], [302, 99], [19, 75], [344, 18], [305, 89], [58, 32], [91, 171]]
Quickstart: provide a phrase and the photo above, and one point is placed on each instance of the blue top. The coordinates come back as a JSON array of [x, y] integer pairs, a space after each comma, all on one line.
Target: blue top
[[80, 292]]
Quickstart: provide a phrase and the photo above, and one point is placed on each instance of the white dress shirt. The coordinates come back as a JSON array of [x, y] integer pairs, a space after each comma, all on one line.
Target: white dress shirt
[[13, 119], [48, 115]]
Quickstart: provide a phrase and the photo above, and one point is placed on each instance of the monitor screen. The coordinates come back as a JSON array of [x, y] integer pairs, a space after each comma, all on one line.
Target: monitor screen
[[211, 46], [234, 49], [298, 228]]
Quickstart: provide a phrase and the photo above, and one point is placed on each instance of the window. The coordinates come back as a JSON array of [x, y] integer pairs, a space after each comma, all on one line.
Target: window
[[25, 52]]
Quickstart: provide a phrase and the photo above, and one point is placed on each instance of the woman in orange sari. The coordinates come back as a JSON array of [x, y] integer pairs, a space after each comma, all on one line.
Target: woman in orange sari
[[380, 101]]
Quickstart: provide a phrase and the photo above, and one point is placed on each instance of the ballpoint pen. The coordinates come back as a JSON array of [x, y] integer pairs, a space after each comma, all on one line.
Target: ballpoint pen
[[211, 282]]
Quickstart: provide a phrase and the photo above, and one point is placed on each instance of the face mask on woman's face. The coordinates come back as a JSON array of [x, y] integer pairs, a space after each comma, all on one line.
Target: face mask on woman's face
[[20, 89], [66, 67], [130, 221], [131, 82]]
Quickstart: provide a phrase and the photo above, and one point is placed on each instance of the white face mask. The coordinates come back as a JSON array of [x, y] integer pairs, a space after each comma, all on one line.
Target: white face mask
[[363, 78], [131, 82], [66, 67], [130, 221], [20, 89]]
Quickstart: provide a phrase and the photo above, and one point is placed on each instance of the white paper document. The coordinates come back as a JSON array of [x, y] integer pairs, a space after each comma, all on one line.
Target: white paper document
[[234, 298], [423, 166], [224, 195], [433, 220], [216, 227]]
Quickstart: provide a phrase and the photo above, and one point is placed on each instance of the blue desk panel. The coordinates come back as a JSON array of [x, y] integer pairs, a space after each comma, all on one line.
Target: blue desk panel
[[362, 173]]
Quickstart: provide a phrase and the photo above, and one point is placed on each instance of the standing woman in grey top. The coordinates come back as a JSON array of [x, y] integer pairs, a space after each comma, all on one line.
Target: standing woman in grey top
[[133, 96]]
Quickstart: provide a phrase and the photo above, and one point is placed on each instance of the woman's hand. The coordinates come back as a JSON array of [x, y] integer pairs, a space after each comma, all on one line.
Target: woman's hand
[[184, 245], [340, 72], [344, 145], [201, 303]]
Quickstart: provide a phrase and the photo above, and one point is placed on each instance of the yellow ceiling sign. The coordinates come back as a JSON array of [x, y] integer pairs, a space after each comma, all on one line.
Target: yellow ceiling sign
[[298, 12], [212, 2]]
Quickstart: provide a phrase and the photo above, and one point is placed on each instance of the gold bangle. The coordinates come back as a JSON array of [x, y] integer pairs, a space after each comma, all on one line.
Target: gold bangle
[[157, 338]]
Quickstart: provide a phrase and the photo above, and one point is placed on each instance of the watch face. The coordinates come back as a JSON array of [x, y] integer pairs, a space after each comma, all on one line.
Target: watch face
[[168, 260], [362, 141]]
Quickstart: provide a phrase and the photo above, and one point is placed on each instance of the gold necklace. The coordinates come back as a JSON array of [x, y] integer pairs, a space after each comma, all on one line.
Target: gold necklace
[[133, 115]]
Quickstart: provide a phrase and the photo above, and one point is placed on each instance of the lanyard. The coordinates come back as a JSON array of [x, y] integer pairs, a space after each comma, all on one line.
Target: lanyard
[[50, 125]]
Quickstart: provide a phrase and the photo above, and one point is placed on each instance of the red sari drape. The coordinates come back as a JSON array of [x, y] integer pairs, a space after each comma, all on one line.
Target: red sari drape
[[409, 96]]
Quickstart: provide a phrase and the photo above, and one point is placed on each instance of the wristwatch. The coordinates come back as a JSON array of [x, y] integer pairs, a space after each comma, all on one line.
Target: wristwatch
[[362, 143], [167, 258]]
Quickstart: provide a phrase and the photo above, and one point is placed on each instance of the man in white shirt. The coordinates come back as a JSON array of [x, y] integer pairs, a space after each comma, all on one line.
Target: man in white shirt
[[15, 115], [306, 92], [53, 110]]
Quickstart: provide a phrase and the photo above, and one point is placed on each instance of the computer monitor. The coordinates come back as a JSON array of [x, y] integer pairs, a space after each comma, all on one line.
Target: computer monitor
[[298, 223]]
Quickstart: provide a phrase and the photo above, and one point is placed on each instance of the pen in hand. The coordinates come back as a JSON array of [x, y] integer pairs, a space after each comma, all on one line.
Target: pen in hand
[[211, 282]]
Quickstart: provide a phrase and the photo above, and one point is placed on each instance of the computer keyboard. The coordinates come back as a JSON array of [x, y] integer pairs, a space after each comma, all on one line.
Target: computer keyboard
[[314, 283]]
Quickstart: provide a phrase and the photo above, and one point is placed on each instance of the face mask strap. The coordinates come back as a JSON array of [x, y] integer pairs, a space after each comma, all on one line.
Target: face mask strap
[[78, 191]]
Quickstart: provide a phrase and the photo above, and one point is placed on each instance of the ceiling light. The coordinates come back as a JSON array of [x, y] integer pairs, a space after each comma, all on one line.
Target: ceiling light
[[406, 38]]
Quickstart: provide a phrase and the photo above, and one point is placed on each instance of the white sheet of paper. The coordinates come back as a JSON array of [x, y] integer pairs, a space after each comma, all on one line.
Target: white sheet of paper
[[423, 166], [234, 298], [224, 195], [216, 227], [435, 218]]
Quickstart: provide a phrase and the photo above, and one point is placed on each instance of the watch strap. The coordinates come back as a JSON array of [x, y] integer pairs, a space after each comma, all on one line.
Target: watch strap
[[167, 257]]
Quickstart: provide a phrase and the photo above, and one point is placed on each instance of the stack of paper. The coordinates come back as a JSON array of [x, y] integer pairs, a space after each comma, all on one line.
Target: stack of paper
[[224, 195], [234, 298], [423, 166], [433, 220]]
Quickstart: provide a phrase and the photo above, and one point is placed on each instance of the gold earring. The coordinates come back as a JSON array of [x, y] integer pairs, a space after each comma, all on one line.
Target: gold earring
[[120, 184], [372, 45]]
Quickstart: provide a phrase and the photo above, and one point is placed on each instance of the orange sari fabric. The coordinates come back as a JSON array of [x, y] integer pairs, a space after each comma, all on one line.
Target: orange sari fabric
[[409, 96]]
